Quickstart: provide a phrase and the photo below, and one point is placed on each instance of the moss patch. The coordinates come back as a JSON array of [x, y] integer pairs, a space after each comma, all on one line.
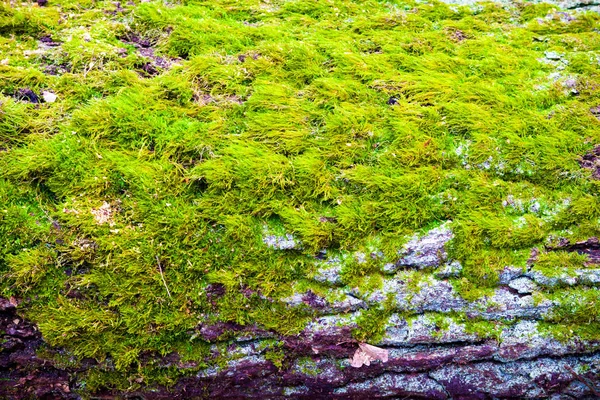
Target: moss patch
[[181, 130]]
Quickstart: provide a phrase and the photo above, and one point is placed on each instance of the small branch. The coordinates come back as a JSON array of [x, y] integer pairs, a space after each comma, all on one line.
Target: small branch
[[163, 278], [583, 380], [346, 341]]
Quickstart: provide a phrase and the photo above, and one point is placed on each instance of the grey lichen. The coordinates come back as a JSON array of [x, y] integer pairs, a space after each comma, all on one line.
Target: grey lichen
[[427, 250]]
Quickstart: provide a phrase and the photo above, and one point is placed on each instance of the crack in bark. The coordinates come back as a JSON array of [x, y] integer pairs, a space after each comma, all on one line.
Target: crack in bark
[[448, 395], [581, 6], [591, 247]]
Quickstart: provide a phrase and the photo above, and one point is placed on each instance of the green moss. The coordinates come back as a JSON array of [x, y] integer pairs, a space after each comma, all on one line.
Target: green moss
[[277, 115], [276, 356], [556, 263], [441, 324], [483, 329], [576, 314], [17, 22], [308, 367], [363, 275], [371, 323]]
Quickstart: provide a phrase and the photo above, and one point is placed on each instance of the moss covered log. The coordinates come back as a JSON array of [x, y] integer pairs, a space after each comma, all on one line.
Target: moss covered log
[[212, 199]]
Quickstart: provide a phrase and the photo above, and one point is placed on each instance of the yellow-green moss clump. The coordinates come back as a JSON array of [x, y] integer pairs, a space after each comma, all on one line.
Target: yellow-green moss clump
[[135, 206]]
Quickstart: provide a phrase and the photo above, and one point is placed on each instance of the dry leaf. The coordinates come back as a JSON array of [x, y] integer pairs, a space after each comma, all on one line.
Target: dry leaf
[[49, 97], [375, 352], [360, 358], [367, 353]]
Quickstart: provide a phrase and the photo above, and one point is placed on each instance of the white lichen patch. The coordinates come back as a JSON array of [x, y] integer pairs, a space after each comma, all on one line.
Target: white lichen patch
[[280, 241], [104, 214], [523, 285], [330, 270], [425, 251]]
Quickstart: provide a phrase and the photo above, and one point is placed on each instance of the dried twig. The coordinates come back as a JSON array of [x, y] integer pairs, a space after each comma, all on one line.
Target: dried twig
[[583, 380], [163, 277]]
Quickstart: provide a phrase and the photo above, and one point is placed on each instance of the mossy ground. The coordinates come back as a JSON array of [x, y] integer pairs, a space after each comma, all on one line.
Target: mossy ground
[[348, 124]]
